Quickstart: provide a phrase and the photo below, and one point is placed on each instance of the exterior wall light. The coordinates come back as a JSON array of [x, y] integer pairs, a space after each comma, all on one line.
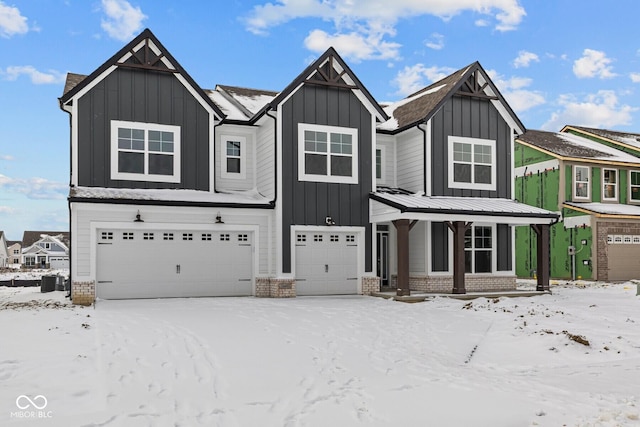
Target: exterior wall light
[[219, 219], [138, 218]]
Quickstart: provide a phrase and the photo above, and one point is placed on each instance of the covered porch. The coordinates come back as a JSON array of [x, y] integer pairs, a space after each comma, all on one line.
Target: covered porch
[[405, 210]]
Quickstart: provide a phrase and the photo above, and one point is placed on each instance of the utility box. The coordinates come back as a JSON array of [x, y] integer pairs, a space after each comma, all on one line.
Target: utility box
[[48, 283], [571, 250]]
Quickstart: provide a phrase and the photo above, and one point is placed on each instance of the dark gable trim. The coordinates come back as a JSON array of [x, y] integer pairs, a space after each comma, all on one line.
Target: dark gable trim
[[330, 54], [146, 34], [402, 208], [134, 202]]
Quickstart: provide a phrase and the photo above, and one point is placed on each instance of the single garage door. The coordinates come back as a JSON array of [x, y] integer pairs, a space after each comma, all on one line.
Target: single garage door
[[173, 263], [623, 256], [326, 263]]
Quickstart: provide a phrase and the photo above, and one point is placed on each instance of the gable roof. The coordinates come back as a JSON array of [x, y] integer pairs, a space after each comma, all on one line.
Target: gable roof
[[142, 58], [567, 146], [329, 70], [626, 139], [30, 237], [420, 106]]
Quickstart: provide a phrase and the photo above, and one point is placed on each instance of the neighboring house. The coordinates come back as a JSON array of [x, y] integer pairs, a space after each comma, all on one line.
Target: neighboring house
[[313, 190], [14, 249], [45, 249], [596, 188], [4, 252]]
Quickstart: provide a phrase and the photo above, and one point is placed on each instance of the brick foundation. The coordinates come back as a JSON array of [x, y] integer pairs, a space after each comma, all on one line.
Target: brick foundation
[[370, 285], [444, 284], [269, 287], [83, 293]]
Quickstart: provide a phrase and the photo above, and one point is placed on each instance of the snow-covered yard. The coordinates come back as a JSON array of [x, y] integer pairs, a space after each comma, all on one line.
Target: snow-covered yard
[[571, 358]]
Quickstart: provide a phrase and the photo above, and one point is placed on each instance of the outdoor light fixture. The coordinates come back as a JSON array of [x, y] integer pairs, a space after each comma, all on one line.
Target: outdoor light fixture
[[138, 218], [219, 219], [329, 221]]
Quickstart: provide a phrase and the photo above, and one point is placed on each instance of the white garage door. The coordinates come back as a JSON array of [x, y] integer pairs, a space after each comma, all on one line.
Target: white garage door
[[173, 263], [326, 263]]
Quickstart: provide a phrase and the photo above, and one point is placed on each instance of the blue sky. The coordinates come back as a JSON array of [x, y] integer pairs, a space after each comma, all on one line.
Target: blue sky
[[556, 62]]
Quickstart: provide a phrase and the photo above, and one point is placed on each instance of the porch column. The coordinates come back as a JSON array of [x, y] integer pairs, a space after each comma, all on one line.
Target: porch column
[[402, 243], [543, 266], [458, 228]]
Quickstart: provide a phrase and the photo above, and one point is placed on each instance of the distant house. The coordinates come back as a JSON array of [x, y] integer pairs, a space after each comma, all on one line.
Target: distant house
[[14, 249], [45, 249], [591, 177], [312, 190], [4, 253]]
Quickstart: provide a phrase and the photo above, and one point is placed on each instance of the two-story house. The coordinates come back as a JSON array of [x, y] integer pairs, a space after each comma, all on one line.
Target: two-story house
[[4, 250], [14, 249], [45, 249], [596, 187], [316, 189]]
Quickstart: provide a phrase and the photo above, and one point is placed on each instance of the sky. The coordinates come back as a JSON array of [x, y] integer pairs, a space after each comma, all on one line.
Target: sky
[[556, 63]]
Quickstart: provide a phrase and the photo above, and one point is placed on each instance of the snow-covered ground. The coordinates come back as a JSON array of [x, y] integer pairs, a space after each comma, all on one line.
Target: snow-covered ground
[[32, 274], [571, 358]]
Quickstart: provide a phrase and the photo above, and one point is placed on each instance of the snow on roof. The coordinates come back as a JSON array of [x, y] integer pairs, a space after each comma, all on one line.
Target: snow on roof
[[576, 147], [170, 195], [231, 111], [608, 208], [389, 108], [627, 138]]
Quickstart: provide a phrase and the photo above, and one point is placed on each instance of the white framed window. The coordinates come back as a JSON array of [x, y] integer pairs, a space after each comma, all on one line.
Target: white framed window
[[634, 186], [380, 164], [472, 163], [609, 184], [478, 249], [145, 151], [327, 154], [581, 182], [233, 156]]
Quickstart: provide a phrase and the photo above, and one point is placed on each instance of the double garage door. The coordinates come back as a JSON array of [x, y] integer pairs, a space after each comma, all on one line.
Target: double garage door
[[326, 263], [173, 263]]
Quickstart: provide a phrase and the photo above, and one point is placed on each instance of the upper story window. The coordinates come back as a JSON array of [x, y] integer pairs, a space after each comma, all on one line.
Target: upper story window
[[478, 249], [634, 186], [581, 182], [233, 156], [380, 163], [472, 163], [609, 184], [145, 151], [327, 154]]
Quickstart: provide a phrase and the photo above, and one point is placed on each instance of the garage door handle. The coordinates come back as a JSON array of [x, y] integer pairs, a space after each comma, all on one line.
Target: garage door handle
[[326, 268], [177, 268]]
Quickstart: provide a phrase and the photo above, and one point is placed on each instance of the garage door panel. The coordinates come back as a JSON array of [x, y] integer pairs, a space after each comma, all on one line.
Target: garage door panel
[[624, 261], [177, 263]]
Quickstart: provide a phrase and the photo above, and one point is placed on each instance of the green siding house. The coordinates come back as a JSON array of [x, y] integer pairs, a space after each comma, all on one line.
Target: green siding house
[[594, 184]]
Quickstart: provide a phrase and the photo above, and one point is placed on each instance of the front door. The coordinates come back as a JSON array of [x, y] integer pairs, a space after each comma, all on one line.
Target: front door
[[383, 258]]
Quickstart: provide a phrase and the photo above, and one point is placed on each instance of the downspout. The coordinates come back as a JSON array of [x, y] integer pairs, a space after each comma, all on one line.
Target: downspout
[[424, 156], [213, 166], [68, 199], [275, 157]]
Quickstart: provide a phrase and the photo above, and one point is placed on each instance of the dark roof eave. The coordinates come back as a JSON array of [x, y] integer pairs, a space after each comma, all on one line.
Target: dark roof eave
[[268, 205]]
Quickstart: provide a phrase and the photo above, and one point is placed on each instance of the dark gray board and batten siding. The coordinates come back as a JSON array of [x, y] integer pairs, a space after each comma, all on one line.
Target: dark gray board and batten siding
[[148, 97], [471, 118], [309, 203]]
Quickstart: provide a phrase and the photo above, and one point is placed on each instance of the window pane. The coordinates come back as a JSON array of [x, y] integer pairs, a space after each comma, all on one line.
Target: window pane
[[467, 239], [468, 256], [379, 164], [233, 148], [483, 237], [482, 154], [160, 164], [582, 190], [610, 176], [233, 165], [461, 172], [154, 145], [482, 174], [582, 174], [130, 162], [635, 193], [609, 191], [461, 152], [315, 141], [635, 178], [315, 164], [341, 166], [483, 261]]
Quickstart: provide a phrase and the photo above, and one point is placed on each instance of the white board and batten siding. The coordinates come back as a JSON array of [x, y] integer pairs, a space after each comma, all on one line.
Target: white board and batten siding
[[410, 154], [91, 220], [387, 144], [265, 159]]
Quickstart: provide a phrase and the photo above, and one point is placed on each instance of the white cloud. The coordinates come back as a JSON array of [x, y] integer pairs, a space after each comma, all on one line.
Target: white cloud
[[412, 78], [7, 157], [365, 23], [436, 42], [635, 77], [35, 188], [7, 210], [525, 59], [354, 45], [593, 63], [514, 90], [37, 77], [601, 109], [11, 21], [482, 23], [122, 20]]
